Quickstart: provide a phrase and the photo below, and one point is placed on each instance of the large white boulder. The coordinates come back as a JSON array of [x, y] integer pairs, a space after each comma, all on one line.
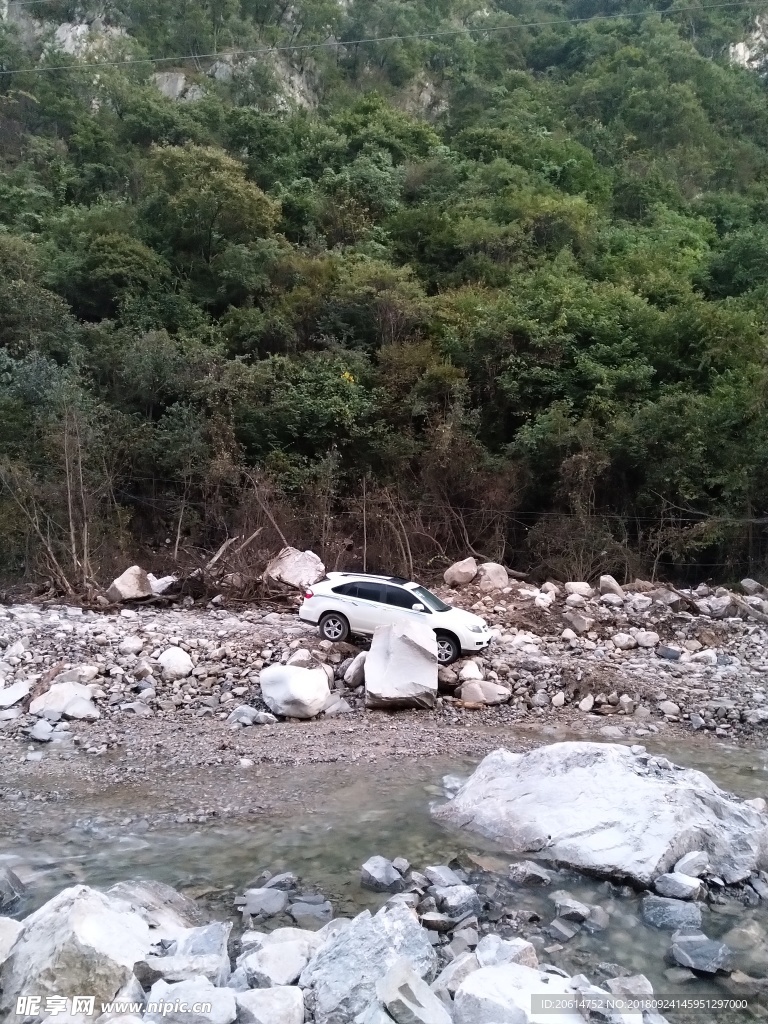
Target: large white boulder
[[73, 700], [604, 810], [198, 952], [294, 692], [80, 942], [343, 973], [176, 663], [219, 1003], [282, 1004], [492, 576], [131, 586], [9, 932], [296, 568], [461, 573], [506, 994], [168, 914], [401, 667], [516, 994], [10, 695]]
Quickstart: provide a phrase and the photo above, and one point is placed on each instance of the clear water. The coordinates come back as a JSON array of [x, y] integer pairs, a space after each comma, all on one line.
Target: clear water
[[362, 810]]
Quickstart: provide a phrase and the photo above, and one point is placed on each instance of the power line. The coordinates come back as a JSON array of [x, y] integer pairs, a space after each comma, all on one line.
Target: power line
[[336, 44]]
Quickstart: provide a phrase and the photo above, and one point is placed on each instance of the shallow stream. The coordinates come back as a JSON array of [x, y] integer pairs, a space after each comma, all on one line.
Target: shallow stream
[[362, 810]]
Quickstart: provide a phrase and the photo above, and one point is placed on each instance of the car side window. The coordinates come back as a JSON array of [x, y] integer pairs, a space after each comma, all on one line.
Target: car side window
[[346, 590], [368, 591], [399, 598]]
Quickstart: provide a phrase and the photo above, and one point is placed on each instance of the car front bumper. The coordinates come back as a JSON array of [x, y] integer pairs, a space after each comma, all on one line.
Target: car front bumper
[[479, 642]]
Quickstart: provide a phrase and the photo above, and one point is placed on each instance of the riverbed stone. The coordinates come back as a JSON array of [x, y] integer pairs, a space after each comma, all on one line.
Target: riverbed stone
[[293, 692], [492, 576], [442, 875], [72, 700], [264, 902], [527, 872], [678, 886], [502, 995], [569, 908], [342, 975], [457, 900], [168, 913], [608, 585], [79, 942], [380, 875], [699, 953], [10, 695], [200, 952], [9, 932], [12, 889], [278, 963], [175, 663], [603, 809], [132, 585], [311, 916], [222, 1003], [282, 1004], [401, 667], [670, 915], [452, 975], [408, 998], [694, 864], [492, 951]]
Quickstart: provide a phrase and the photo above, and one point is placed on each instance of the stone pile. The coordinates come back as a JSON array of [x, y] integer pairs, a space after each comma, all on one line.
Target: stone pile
[[647, 659], [407, 963]]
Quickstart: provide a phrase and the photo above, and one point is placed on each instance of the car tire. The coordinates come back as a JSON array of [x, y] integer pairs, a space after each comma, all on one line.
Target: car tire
[[333, 627], [448, 649]]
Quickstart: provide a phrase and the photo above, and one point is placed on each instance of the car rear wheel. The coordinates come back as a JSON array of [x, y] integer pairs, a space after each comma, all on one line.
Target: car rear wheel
[[334, 627], [448, 649]]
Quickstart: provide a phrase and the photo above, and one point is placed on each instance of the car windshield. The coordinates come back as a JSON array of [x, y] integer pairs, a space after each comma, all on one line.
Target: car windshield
[[430, 601]]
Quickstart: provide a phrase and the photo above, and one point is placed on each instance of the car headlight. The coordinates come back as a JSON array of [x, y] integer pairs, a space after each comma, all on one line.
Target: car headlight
[[475, 629]]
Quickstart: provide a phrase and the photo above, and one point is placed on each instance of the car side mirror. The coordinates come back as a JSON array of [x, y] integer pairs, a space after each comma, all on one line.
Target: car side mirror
[[417, 607]]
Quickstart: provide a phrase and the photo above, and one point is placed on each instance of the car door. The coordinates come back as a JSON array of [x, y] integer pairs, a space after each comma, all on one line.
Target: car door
[[369, 612], [400, 604]]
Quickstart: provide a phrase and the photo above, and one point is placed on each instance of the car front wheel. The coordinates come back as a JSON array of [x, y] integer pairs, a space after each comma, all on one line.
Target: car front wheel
[[448, 649], [334, 627]]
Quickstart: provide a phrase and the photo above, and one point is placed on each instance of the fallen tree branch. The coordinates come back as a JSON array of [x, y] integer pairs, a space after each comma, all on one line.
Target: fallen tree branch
[[227, 544]]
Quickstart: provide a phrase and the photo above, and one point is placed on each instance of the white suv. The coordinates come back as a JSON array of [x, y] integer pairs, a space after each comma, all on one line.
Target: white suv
[[347, 602]]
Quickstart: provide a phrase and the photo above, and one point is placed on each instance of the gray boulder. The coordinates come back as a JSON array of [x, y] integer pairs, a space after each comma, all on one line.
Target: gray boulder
[[670, 915], [342, 975], [604, 810], [11, 889], [678, 886], [699, 953], [401, 667], [263, 902], [380, 875], [457, 900]]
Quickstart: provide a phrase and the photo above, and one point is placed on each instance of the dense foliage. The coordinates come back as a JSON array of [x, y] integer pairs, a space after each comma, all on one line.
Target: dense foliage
[[508, 282]]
